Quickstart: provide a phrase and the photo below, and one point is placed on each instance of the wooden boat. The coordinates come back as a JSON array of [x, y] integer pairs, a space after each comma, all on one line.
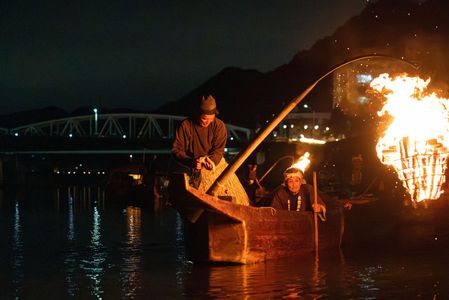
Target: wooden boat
[[225, 231], [219, 230]]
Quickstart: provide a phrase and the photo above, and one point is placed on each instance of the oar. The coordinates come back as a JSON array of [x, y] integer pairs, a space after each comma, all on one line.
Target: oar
[[315, 214]]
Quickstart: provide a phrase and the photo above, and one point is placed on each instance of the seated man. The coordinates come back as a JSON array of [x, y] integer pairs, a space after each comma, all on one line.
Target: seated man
[[294, 194]]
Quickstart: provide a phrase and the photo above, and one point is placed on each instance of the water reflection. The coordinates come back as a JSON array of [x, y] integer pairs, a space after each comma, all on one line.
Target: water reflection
[[180, 251], [130, 273], [79, 249], [70, 259], [94, 267], [17, 250], [92, 260], [300, 277]]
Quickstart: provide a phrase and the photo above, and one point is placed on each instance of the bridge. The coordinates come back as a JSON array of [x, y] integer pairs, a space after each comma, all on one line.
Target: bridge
[[94, 132], [122, 125]]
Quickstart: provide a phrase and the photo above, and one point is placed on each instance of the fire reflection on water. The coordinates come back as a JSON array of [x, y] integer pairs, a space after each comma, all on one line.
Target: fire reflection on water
[[132, 251]]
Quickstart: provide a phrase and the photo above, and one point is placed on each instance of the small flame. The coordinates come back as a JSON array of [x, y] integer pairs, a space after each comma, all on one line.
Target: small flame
[[303, 162], [416, 142]]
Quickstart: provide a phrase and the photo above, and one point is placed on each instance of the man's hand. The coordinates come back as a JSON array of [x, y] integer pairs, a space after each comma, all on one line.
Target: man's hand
[[205, 162], [198, 164], [317, 208], [208, 164]]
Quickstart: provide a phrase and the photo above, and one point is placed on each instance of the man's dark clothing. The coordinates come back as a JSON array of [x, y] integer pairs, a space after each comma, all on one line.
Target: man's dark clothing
[[193, 141]]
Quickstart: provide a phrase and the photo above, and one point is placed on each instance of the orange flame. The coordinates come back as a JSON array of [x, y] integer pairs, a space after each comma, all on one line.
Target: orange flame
[[303, 162], [416, 143]]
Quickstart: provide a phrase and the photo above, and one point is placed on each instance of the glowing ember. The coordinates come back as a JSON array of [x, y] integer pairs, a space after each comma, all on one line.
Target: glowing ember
[[416, 142], [303, 162]]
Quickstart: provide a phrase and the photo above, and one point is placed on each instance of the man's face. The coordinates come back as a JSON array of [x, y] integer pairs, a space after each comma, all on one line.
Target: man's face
[[293, 184], [205, 120]]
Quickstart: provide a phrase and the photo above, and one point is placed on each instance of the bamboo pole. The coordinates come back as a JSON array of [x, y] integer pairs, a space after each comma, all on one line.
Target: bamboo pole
[[315, 214], [230, 169]]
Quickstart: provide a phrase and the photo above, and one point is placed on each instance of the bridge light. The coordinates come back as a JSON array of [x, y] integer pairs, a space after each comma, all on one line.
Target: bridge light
[[124, 136], [316, 127], [16, 134], [306, 126], [96, 120], [231, 138], [70, 135], [291, 126]]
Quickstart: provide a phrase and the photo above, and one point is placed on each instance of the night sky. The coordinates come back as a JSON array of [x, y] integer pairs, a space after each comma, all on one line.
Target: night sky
[[140, 54]]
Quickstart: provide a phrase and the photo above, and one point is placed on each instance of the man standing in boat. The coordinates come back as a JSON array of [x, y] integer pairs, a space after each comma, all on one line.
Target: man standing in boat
[[200, 141], [296, 195]]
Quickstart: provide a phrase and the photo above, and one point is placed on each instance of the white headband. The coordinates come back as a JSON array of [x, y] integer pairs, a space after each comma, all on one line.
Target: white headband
[[293, 172]]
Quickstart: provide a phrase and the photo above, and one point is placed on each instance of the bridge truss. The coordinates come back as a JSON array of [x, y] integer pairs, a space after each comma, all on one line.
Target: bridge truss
[[119, 125]]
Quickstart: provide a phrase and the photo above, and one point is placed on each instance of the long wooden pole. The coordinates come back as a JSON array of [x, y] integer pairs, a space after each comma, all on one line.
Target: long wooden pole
[[315, 214], [230, 169]]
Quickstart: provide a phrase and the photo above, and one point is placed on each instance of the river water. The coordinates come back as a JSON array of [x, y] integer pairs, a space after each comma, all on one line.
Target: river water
[[72, 242]]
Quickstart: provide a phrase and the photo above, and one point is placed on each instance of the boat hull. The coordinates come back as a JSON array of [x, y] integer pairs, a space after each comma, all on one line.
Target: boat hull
[[221, 231]]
